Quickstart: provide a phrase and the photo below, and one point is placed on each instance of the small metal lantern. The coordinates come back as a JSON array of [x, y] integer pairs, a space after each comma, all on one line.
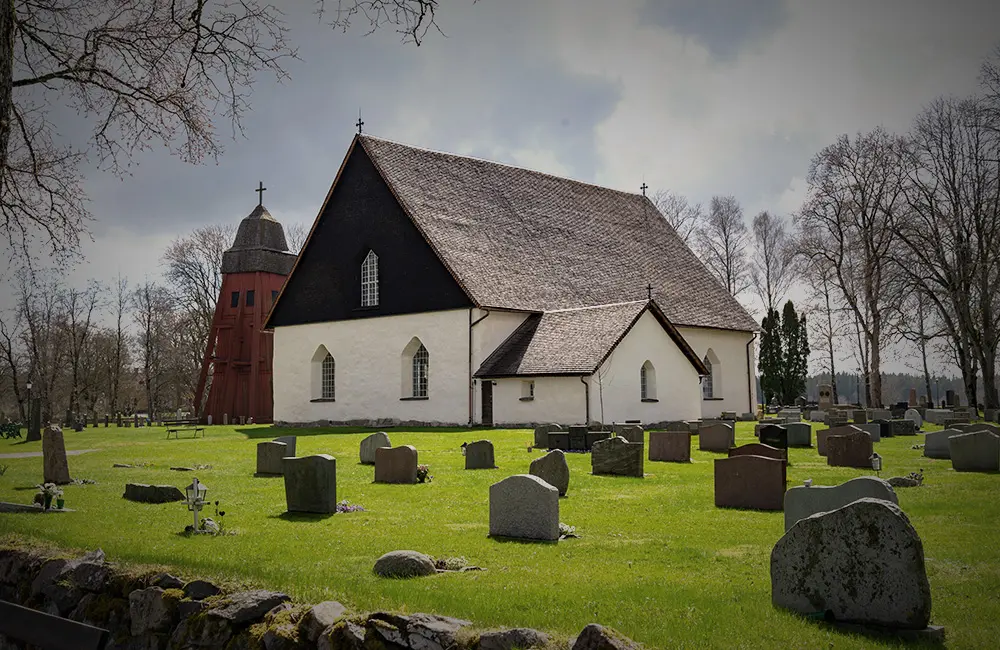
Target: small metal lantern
[[195, 498], [876, 462]]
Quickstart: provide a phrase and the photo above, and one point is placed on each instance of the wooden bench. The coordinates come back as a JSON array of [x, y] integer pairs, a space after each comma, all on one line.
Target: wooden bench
[[47, 631], [190, 424]]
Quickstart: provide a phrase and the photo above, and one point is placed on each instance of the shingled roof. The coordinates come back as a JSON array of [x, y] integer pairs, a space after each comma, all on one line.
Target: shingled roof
[[523, 240], [572, 341]]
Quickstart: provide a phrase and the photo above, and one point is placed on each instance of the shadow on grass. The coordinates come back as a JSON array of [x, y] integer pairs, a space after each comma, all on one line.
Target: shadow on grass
[[303, 516], [930, 637], [274, 431], [518, 540], [259, 475]]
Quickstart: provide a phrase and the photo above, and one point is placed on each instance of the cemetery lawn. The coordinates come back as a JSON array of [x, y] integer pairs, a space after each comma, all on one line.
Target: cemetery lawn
[[655, 559]]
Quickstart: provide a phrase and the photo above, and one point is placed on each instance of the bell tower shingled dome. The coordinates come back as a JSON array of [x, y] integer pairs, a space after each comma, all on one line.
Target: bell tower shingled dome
[[239, 351]]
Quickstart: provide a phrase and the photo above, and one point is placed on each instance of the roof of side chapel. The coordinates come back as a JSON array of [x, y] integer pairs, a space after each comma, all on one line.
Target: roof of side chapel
[[524, 240]]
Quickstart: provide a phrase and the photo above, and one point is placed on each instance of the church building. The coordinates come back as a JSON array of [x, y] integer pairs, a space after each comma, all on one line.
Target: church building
[[443, 289]]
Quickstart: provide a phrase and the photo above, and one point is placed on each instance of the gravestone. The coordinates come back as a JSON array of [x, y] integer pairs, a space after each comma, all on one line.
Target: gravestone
[[311, 484], [716, 437], [912, 401], [859, 416], [617, 457], [35, 420], [670, 446], [542, 434], [370, 444], [799, 434], [524, 507], [578, 438], [823, 435], [835, 418], [862, 563], [289, 444], [142, 493], [936, 443], [903, 427], [479, 455], [849, 450], [559, 440], [774, 435], [106, 421], [753, 482], [270, 457], [594, 436], [631, 432], [884, 428], [804, 501], [118, 420], [955, 420], [825, 397], [879, 414], [937, 416], [975, 452], [396, 464], [977, 426], [728, 415], [914, 416], [675, 425], [553, 469], [990, 415], [55, 467], [873, 429], [817, 416], [759, 449], [950, 398]]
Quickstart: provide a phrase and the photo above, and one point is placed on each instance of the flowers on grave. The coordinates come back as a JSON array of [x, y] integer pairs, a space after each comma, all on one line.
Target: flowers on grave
[[423, 474], [344, 506], [48, 492]]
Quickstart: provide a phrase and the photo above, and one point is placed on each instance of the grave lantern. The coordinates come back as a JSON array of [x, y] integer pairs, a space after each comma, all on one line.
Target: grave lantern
[[876, 462], [195, 498]]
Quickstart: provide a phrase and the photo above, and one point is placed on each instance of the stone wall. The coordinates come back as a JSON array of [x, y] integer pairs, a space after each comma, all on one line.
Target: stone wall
[[152, 610]]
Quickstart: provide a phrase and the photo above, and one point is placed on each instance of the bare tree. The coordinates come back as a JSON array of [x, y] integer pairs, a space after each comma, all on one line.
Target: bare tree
[[39, 303], [11, 330], [78, 307], [823, 318], [682, 216], [194, 269], [153, 306], [849, 218], [295, 235], [722, 241], [140, 71], [119, 353], [771, 268]]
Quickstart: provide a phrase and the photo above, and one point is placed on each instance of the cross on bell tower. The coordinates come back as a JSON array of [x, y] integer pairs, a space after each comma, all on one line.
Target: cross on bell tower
[[359, 123], [644, 187], [260, 193]]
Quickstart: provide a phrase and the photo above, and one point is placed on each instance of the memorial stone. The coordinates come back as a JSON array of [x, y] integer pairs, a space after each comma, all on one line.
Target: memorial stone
[[559, 440], [289, 444], [975, 452], [774, 435], [884, 427], [716, 437], [859, 416], [825, 397], [670, 446], [759, 449], [849, 450], [524, 507], [479, 455], [817, 416], [311, 484], [594, 436], [370, 444], [617, 457], [912, 401], [937, 416], [578, 438], [753, 482], [804, 501], [873, 429], [936, 444], [396, 464], [799, 434], [879, 414], [542, 434], [902, 427], [823, 435], [55, 467], [270, 458], [553, 469], [631, 432], [914, 416]]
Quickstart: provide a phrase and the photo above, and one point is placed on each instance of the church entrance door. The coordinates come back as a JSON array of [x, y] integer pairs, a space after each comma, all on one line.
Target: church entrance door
[[488, 403]]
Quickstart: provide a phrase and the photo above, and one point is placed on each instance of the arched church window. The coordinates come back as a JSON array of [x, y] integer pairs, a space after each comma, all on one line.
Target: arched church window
[[647, 381], [369, 280]]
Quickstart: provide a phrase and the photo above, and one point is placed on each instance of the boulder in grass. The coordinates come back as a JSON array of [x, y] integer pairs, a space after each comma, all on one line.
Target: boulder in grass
[[862, 563], [520, 637], [598, 637], [404, 564]]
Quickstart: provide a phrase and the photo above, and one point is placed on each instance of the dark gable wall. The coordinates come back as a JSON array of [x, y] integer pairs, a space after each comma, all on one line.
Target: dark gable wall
[[363, 215]]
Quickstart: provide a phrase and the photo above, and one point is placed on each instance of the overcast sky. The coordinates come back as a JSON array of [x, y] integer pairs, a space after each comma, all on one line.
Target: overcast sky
[[700, 97]]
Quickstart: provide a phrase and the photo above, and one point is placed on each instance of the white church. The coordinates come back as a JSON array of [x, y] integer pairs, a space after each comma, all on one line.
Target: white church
[[444, 289]]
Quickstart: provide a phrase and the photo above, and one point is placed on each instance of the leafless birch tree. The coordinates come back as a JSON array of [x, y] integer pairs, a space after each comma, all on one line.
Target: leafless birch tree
[[722, 241], [771, 266]]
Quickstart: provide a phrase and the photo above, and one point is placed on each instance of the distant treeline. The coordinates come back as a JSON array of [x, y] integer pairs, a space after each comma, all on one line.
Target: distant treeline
[[896, 387]]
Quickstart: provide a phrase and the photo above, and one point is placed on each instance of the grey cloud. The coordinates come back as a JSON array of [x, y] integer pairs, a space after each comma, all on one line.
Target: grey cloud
[[724, 27]]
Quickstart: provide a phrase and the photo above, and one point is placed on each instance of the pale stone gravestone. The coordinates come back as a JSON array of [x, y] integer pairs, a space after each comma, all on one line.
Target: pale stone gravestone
[[670, 446], [799, 434], [553, 469], [617, 457], [937, 416], [559, 440], [370, 444], [716, 437], [825, 397], [479, 455], [804, 501], [936, 443], [774, 435], [849, 450], [870, 569], [594, 436], [542, 434], [975, 452], [753, 482], [631, 432], [289, 442], [873, 429], [823, 434], [311, 484], [759, 449], [879, 414], [977, 426], [835, 418], [524, 507], [903, 427], [396, 464], [859, 416], [817, 416], [270, 458], [55, 467]]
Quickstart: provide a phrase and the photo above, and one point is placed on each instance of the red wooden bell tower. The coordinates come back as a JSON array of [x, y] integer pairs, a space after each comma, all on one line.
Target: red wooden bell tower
[[239, 351]]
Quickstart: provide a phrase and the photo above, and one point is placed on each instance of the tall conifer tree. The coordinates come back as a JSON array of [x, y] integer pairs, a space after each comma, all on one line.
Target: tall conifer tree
[[771, 356]]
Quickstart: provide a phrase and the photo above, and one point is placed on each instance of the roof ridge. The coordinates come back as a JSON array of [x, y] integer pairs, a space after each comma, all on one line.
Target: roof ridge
[[502, 164], [610, 304]]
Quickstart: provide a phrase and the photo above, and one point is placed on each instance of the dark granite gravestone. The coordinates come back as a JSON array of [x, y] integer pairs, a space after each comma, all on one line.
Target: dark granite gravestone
[[55, 468], [859, 416], [578, 438], [290, 443], [311, 484], [396, 464], [479, 455], [849, 450], [716, 437], [559, 440], [594, 436], [670, 446], [753, 482], [823, 435], [774, 435], [542, 432], [270, 458], [799, 434], [884, 428], [903, 427], [142, 493], [759, 449], [618, 457]]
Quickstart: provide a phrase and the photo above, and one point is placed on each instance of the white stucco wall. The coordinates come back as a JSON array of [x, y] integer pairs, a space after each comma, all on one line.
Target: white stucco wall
[[677, 388], [557, 399], [368, 368], [731, 379], [487, 335]]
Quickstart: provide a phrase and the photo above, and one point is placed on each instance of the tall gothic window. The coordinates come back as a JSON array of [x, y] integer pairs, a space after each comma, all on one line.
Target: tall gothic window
[[329, 377], [421, 363], [706, 381], [369, 280], [647, 381]]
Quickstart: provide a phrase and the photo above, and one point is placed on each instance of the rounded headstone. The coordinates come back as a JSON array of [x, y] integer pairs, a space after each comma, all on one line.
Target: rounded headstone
[[914, 416], [404, 564], [370, 444]]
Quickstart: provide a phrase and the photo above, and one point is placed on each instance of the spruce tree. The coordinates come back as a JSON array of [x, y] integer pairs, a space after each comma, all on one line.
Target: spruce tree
[[794, 353], [770, 362]]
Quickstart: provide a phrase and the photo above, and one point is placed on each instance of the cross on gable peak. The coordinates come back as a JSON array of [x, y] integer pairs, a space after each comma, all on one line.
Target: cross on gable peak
[[644, 187], [260, 193]]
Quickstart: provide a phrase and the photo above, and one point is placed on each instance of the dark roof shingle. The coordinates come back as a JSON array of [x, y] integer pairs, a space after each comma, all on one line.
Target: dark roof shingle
[[525, 240]]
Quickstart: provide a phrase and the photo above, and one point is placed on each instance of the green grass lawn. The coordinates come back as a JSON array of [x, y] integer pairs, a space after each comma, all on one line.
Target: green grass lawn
[[655, 560]]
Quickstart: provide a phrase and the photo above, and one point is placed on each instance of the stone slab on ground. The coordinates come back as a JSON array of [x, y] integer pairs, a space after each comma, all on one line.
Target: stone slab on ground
[[6, 506], [862, 563], [524, 507], [802, 501], [553, 469], [143, 493]]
